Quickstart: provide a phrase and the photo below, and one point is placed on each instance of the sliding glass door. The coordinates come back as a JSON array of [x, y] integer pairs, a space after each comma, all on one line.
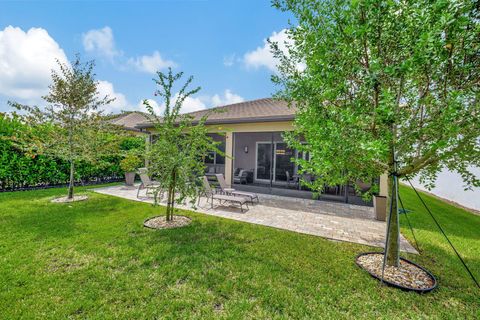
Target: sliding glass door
[[284, 167], [264, 161], [274, 165]]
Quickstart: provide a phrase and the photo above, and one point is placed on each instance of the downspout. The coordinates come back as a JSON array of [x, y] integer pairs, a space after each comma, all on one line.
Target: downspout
[[272, 162], [232, 169]]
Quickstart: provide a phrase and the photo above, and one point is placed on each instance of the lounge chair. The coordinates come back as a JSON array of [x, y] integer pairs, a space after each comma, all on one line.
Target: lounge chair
[[231, 191], [222, 198], [150, 186]]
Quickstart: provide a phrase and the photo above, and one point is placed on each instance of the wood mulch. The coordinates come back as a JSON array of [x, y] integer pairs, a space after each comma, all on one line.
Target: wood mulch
[[161, 223]]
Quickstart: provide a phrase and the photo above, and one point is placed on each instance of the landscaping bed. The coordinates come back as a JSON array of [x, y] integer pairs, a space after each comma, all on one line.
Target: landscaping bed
[[160, 222], [407, 276], [68, 200]]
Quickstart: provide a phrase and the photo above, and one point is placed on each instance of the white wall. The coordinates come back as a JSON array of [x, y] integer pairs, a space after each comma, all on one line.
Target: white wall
[[449, 185]]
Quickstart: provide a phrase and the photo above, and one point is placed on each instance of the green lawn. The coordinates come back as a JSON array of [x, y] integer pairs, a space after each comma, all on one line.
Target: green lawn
[[94, 259]]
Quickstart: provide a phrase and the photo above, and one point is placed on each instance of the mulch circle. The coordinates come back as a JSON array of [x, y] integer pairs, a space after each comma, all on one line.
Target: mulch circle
[[408, 276], [67, 200], [160, 222]]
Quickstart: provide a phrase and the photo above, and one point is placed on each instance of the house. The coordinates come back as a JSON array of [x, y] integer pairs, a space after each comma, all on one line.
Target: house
[[129, 120], [251, 138]]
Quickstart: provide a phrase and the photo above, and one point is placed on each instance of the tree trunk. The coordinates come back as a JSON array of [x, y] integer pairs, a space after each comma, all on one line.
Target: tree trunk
[[70, 186], [72, 163], [393, 227], [171, 198], [173, 204], [169, 202]]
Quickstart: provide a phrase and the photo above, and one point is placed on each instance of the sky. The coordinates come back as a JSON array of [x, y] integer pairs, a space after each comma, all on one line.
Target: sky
[[221, 43]]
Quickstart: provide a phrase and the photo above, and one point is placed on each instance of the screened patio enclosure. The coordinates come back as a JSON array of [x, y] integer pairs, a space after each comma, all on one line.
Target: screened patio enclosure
[[263, 163], [253, 155], [214, 161]]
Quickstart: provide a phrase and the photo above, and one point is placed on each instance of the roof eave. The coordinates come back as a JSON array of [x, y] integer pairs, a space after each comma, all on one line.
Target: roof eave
[[233, 121]]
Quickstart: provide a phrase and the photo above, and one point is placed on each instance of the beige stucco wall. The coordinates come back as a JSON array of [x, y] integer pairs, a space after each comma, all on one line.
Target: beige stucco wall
[[249, 140], [248, 127], [253, 127]]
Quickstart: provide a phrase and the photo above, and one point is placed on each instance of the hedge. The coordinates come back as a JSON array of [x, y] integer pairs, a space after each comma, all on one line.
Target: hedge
[[19, 171]]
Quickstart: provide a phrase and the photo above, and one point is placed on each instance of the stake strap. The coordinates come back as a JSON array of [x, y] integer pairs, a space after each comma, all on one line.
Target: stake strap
[[443, 232]]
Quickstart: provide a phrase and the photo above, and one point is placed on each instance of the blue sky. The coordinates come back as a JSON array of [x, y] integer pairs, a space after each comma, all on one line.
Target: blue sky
[[221, 43]]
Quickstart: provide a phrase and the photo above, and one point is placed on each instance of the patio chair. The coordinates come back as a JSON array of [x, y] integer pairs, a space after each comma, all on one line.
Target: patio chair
[[222, 198], [240, 177], [230, 191], [150, 186], [243, 176], [291, 180]]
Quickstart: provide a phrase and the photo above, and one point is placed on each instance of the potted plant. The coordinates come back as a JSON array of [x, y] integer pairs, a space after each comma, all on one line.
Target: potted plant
[[380, 207], [129, 165]]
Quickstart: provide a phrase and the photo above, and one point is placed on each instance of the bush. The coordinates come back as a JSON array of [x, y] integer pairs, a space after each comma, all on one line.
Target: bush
[[19, 170]]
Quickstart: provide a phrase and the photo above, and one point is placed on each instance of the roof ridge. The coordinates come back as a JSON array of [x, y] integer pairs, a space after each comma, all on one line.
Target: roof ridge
[[229, 105], [125, 113]]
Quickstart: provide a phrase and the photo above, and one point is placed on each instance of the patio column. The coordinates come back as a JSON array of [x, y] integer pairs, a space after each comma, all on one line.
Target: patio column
[[383, 185], [148, 142], [229, 158]]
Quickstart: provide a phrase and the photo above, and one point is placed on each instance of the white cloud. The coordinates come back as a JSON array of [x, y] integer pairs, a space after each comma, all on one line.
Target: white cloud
[[263, 56], [101, 42], [189, 105], [156, 108], [26, 62], [120, 103], [228, 98], [228, 61], [152, 63], [192, 104]]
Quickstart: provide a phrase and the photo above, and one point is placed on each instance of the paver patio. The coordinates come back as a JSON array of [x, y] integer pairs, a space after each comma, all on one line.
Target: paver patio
[[336, 221]]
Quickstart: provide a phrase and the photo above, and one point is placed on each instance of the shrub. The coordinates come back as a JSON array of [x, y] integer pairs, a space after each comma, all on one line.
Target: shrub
[[130, 163]]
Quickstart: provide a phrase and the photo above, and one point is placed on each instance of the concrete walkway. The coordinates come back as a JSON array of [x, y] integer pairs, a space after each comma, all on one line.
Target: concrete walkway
[[337, 221]]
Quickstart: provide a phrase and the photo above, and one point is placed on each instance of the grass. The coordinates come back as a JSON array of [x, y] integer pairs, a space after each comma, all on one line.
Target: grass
[[94, 259]]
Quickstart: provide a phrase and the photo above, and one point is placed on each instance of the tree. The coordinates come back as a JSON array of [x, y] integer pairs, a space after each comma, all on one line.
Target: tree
[[179, 145], [71, 127], [389, 86]]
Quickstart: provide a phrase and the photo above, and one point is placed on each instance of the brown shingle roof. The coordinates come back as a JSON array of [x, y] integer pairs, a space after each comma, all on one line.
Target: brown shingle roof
[[130, 120], [261, 110]]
